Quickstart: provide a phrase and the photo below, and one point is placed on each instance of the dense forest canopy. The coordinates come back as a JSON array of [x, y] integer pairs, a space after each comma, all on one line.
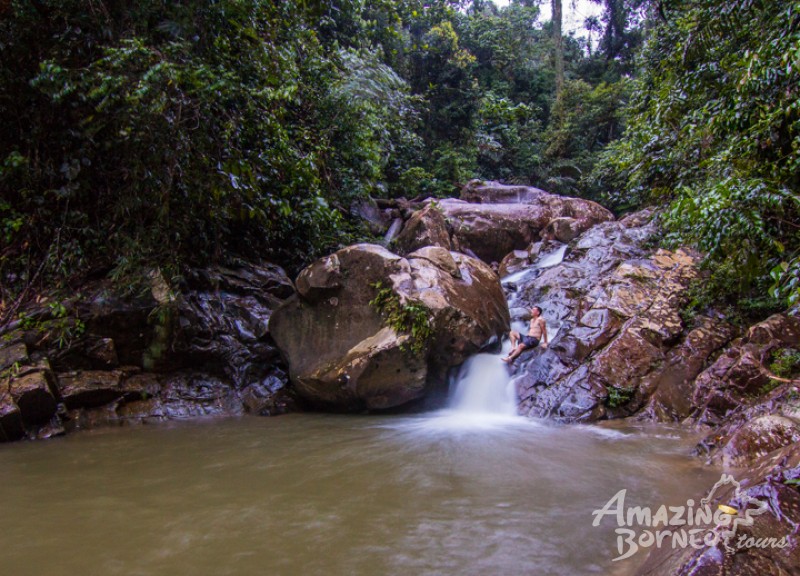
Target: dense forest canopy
[[160, 133]]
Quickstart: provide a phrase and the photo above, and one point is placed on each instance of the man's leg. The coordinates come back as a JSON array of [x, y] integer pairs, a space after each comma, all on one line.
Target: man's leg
[[507, 357], [515, 353], [514, 337]]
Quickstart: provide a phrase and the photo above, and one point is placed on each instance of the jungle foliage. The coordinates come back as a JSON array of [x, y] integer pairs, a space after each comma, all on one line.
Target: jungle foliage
[[136, 135], [157, 134], [714, 135]]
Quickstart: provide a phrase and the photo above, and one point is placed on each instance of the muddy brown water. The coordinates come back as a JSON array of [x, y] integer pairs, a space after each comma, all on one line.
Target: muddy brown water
[[441, 493]]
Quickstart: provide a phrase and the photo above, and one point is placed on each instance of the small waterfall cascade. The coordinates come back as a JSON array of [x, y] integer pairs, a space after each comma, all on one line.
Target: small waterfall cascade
[[552, 258], [483, 387], [544, 261]]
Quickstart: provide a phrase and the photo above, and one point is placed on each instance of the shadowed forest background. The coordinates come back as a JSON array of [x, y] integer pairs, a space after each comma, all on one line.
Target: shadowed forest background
[[136, 135]]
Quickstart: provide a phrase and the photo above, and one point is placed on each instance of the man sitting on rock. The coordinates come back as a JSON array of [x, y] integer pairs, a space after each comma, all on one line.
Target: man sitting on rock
[[536, 333]]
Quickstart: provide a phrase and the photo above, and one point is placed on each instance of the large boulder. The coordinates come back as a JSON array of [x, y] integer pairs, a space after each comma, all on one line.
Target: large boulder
[[490, 220], [613, 310], [552, 217], [426, 227], [491, 231], [344, 355]]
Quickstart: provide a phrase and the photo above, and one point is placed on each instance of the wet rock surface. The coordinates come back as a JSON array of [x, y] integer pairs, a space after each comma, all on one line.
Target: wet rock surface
[[739, 376], [615, 306], [768, 546], [750, 412], [343, 355], [670, 389], [621, 349], [205, 350]]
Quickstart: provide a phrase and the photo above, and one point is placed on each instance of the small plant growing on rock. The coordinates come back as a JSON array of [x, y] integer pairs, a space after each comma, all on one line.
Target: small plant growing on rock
[[793, 482], [619, 396], [412, 319], [56, 326], [785, 363]]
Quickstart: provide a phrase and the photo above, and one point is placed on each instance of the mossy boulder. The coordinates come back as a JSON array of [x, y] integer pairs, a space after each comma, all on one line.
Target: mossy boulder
[[439, 307]]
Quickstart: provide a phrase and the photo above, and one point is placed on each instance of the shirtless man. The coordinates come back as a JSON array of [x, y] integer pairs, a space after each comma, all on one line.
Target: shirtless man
[[536, 333]]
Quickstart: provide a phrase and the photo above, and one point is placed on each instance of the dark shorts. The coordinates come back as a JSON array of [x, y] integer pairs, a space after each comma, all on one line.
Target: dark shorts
[[530, 341]]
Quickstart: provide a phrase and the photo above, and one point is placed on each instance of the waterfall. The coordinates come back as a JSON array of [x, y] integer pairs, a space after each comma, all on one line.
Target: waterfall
[[553, 258], [544, 261], [483, 386]]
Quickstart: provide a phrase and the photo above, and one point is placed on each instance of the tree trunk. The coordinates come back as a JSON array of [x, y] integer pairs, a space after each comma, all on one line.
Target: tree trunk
[[558, 47]]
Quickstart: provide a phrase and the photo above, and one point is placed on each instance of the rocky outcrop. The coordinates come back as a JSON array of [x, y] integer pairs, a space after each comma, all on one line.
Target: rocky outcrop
[[426, 227], [670, 389], [622, 349], [493, 230], [558, 217], [754, 439], [739, 376], [103, 358], [490, 231], [491, 219], [751, 413], [28, 397], [155, 397], [31, 392], [620, 339], [768, 546], [343, 355]]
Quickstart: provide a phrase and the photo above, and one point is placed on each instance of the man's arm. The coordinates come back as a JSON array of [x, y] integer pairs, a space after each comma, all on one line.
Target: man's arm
[[544, 333]]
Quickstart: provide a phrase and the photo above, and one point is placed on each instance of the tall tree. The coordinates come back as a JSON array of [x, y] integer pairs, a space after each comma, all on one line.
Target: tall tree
[[558, 46]]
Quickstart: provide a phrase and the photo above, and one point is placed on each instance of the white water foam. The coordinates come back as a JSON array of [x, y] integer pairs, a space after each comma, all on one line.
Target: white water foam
[[483, 398], [553, 258], [545, 261], [482, 387], [601, 432]]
